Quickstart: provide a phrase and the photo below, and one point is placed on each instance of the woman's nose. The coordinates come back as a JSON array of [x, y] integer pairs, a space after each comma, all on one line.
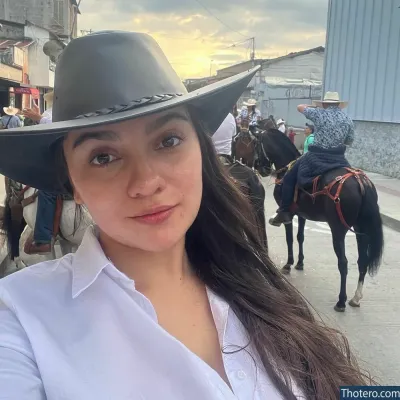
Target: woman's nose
[[144, 180]]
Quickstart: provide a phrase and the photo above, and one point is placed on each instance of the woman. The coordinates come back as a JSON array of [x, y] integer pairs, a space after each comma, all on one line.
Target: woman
[[171, 296]]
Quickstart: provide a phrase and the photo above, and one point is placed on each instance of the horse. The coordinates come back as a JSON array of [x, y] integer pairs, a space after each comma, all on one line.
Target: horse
[[245, 144], [250, 184], [345, 199], [20, 211]]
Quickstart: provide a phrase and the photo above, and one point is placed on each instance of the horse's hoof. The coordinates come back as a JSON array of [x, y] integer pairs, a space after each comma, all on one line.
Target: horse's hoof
[[339, 309], [352, 303], [299, 267]]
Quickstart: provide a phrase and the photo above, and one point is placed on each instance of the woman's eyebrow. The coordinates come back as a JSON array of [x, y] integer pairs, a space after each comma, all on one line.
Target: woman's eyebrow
[[164, 119], [98, 135]]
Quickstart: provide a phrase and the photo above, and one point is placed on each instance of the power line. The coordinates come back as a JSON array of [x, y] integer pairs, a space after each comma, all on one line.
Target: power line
[[218, 19]]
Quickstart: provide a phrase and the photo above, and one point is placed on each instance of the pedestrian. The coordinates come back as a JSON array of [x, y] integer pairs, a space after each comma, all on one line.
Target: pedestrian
[[281, 125], [172, 294], [291, 135], [10, 120], [309, 133]]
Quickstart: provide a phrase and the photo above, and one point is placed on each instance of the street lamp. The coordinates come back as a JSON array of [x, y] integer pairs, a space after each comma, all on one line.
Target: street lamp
[[211, 61]]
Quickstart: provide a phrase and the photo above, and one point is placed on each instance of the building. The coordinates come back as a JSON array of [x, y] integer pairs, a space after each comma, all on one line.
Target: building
[[280, 97], [14, 78], [26, 72], [59, 16], [362, 64], [287, 81], [307, 64]]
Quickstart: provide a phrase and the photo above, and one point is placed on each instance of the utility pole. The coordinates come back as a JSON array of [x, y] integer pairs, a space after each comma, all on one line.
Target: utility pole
[[253, 49]]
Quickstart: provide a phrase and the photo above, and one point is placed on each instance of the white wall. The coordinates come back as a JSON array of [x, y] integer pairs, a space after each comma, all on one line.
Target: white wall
[[39, 72], [307, 66]]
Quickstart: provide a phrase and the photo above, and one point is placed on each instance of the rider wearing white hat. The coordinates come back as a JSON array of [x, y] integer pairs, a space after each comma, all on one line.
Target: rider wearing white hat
[[251, 112], [281, 125]]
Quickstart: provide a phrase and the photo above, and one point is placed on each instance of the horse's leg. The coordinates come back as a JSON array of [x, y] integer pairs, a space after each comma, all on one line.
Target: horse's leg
[[289, 242], [338, 236], [300, 239], [362, 244]]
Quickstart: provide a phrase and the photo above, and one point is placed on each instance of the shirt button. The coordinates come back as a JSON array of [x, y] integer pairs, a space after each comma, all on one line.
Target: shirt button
[[241, 375]]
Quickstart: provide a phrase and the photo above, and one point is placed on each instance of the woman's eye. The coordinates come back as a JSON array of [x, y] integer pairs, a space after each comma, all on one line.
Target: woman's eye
[[103, 159], [170, 141]]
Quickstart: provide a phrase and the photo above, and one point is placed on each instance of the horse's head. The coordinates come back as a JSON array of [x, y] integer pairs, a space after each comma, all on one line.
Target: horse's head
[[267, 124], [278, 148]]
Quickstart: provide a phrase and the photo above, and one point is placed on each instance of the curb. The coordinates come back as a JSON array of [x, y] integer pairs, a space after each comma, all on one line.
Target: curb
[[390, 222]]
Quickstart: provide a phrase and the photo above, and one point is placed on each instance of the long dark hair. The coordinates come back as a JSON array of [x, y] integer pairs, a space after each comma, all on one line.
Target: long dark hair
[[227, 253]]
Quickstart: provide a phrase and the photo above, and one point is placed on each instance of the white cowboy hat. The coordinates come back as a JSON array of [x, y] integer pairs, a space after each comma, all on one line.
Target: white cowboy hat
[[331, 98], [10, 110], [250, 103], [280, 121]]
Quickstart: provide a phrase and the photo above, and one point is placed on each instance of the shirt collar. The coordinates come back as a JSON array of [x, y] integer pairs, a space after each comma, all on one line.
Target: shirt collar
[[87, 263]]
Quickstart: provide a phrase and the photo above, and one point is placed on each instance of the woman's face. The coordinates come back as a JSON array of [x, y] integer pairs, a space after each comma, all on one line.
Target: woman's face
[[141, 180]]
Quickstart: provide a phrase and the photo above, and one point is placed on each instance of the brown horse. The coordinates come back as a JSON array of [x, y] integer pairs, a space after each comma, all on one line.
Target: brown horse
[[245, 145]]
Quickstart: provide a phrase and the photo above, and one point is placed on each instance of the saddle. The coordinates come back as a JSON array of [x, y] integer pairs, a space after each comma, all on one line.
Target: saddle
[[18, 203], [333, 189]]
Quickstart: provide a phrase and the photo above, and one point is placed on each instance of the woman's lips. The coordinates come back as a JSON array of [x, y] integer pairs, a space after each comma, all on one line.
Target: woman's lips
[[156, 215]]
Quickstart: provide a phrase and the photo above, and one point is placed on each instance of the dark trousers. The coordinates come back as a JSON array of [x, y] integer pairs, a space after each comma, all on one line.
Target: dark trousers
[[46, 209], [289, 187]]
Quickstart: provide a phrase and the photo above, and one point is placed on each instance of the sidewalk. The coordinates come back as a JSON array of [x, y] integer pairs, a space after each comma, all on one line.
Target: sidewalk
[[389, 199]]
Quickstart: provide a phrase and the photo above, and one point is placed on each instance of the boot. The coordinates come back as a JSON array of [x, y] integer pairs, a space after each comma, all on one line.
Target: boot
[[31, 247], [283, 217]]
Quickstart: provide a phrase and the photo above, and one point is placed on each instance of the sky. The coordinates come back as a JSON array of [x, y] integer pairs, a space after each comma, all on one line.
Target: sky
[[199, 36]]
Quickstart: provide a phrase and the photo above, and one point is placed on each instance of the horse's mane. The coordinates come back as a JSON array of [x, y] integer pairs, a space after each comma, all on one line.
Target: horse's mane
[[279, 141]]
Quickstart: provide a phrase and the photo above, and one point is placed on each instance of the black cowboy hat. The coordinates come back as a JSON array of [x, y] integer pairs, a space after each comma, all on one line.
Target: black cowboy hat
[[104, 78]]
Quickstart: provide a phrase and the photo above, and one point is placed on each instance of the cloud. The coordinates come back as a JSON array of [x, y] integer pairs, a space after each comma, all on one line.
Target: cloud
[[192, 37]]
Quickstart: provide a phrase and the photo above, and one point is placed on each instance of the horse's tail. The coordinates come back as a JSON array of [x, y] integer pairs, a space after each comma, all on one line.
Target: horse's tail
[[369, 223], [257, 198]]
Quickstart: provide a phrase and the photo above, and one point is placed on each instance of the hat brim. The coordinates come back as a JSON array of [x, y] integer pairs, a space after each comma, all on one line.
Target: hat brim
[[320, 103], [27, 154], [10, 113]]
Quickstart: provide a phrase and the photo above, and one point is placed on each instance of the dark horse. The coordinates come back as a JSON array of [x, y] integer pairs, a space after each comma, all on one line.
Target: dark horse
[[356, 207], [250, 184]]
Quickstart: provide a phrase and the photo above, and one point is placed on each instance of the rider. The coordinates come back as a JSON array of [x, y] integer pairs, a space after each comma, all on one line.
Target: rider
[[333, 130], [251, 112], [222, 138], [281, 125], [46, 208]]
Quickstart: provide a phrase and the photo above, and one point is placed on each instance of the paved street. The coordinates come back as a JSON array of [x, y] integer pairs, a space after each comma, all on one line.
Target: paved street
[[373, 329]]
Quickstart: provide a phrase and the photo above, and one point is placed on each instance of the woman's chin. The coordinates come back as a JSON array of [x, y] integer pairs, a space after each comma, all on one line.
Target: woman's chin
[[152, 239]]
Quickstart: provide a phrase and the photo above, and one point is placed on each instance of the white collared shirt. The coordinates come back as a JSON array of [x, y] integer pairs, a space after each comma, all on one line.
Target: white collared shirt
[[222, 138], [76, 328]]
